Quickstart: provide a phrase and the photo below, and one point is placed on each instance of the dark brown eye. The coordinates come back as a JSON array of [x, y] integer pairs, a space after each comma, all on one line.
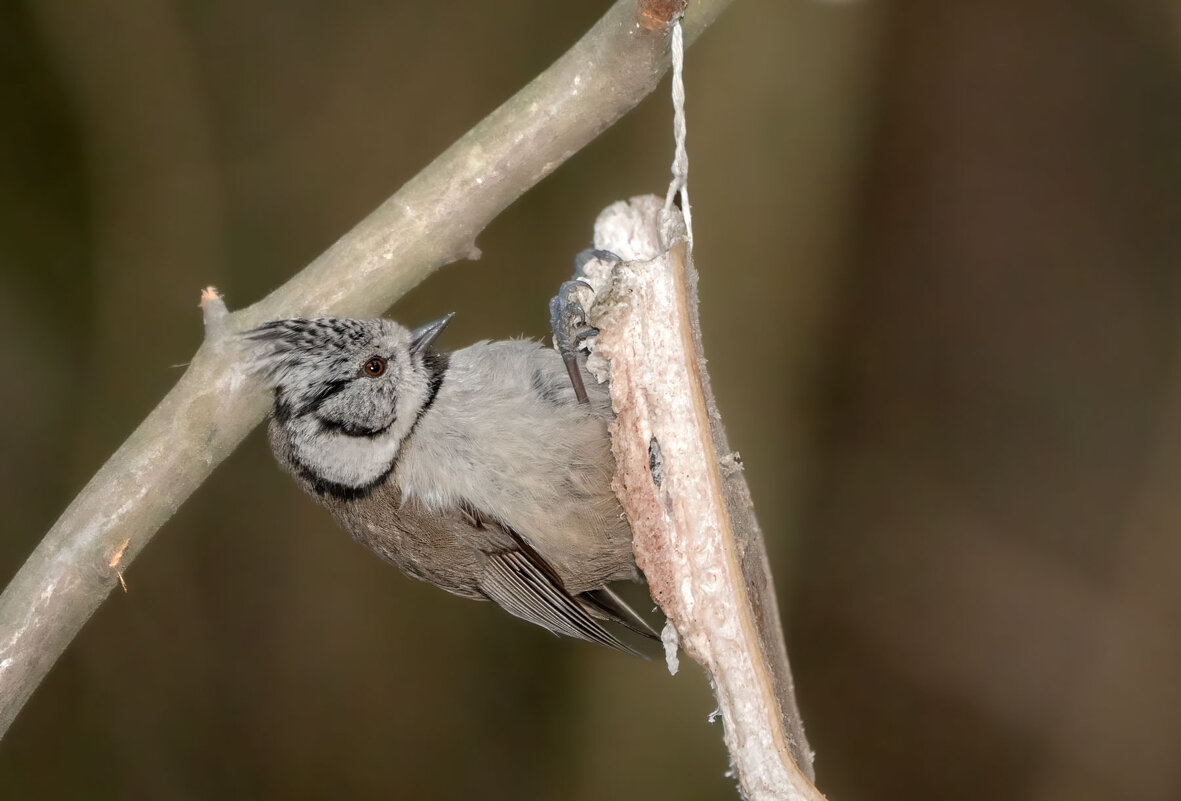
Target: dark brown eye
[[374, 367]]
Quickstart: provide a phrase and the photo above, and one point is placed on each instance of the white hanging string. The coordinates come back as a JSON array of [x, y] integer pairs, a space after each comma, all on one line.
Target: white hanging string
[[680, 165]]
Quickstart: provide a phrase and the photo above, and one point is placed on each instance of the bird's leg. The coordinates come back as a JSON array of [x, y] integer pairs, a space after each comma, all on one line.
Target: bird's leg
[[568, 319], [568, 322]]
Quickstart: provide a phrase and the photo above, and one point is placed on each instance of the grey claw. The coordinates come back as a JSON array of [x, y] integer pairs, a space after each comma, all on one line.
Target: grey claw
[[589, 255], [568, 317], [569, 325]]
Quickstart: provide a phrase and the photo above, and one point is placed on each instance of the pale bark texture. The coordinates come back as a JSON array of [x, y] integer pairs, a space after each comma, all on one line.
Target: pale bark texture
[[696, 537]]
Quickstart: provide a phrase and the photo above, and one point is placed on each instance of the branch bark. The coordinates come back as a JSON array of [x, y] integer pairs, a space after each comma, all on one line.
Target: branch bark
[[429, 222], [695, 534]]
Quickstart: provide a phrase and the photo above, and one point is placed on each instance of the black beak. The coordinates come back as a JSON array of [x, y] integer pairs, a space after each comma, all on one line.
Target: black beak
[[423, 336]]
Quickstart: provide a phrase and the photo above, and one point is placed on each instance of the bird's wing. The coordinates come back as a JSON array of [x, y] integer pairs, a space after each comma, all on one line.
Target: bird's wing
[[607, 604], [518, 578], [526, 586]]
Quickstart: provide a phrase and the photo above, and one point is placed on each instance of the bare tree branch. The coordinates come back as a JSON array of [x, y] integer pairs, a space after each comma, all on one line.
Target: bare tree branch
[[432, 220], [695, 533]]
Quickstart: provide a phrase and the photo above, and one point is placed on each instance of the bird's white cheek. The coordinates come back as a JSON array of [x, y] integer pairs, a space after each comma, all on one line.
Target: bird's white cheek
[[350, 461]]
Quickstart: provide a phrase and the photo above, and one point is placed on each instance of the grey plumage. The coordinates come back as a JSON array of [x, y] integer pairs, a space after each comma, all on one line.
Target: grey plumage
[[477, 471]]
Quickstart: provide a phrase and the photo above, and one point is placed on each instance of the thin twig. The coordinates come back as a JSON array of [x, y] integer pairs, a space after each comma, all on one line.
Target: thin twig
[[431, 221]]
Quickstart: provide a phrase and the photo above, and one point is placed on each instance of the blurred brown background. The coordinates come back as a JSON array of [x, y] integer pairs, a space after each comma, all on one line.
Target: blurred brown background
[[938, 245]]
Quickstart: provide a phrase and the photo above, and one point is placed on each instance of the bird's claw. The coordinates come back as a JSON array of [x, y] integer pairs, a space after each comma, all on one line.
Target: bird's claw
[[568, 320]]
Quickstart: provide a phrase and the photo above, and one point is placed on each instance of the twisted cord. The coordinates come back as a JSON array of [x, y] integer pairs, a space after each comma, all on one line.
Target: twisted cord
[[680, 165]]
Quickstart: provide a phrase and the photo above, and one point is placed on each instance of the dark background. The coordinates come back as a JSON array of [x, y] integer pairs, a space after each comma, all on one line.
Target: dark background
[[938, 244]]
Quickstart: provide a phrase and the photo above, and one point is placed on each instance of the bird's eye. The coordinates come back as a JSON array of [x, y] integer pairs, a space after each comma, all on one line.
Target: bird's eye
[[374, 367]]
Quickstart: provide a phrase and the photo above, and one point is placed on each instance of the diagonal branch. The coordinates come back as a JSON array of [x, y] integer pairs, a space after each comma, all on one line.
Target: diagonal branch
[[431, 221]]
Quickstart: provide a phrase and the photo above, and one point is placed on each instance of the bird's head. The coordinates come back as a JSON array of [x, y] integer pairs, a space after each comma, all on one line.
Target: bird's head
[[347, 392]]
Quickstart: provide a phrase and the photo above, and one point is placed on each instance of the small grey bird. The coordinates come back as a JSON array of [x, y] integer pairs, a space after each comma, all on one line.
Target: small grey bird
[[477, 471]]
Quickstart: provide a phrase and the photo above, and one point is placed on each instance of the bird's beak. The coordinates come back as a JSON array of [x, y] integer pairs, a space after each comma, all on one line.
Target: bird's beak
[[423, 336]]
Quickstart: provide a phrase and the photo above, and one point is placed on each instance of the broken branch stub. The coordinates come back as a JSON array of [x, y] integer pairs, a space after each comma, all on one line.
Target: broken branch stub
[[695, 534]]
